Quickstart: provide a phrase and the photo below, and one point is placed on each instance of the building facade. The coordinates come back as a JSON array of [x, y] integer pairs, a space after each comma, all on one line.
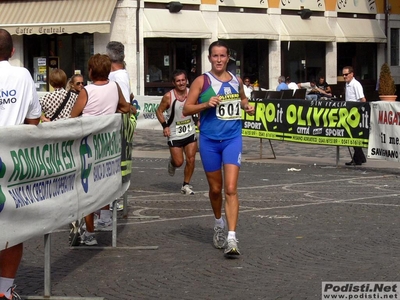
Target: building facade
[[302, 39]]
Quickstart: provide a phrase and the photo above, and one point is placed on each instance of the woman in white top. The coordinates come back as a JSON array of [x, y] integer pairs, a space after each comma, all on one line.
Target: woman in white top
[[103, 97]]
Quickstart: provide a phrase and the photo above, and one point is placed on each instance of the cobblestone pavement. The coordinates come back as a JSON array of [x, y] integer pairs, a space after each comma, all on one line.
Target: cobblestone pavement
[[296, 229]]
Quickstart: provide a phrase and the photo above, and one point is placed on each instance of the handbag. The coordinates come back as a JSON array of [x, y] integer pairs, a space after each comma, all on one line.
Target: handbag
[[61, 107]]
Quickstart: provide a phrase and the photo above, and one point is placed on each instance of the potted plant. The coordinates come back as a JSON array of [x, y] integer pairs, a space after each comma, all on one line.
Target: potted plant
[[387, 88]]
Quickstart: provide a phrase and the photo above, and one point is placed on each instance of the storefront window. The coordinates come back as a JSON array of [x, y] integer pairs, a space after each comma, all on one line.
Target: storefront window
[[54, 51], [303, 61], [163, 56], [362, 56], [249, 59]]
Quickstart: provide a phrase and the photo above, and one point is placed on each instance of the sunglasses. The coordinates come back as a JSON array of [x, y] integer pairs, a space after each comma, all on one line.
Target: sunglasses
[[344, 75], [79, 83]]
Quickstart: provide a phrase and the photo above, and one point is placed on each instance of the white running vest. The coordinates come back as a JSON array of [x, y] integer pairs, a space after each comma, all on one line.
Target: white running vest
[[180, 126]]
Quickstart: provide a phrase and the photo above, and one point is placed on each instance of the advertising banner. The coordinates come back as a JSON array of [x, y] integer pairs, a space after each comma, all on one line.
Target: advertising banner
[[57, 172], [147, 107], [384, 138], [334, 123]]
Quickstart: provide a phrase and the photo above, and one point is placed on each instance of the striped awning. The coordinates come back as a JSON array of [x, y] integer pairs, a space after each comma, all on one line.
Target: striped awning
[[184, 24], [359, 31], [56, 16], [313, 29], [245, 26]]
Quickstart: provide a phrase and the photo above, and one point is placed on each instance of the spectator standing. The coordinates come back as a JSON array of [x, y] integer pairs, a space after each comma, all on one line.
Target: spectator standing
[[180, 130], [354, 92], [119, 74], [25, 110], [103, 97], [57, 104], [282, 84], [75, 83], [219, 97], [116, 52], [248, 88]]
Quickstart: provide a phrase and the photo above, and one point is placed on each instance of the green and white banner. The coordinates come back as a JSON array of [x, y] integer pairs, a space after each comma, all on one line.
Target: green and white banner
[[57, 172], [147, 107], [384, 138]]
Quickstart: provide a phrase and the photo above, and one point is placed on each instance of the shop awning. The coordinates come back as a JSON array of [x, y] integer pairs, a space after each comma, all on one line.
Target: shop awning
[[56, 17], [359, 31], [315, 29], [245, 26], [184, 24]]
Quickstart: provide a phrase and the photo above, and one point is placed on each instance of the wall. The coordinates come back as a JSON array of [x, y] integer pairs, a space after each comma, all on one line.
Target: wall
[[18, 58], [124, 30]]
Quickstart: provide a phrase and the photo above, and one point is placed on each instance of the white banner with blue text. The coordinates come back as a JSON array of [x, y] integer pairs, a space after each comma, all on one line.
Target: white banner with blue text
[[57, 172]]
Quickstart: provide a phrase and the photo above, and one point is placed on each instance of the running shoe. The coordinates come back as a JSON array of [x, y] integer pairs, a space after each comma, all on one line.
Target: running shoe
[[119, 206], [104, 226], [232, 248], [187, 189], [14, 295], [171, 168], [88, 240], [219, 238]]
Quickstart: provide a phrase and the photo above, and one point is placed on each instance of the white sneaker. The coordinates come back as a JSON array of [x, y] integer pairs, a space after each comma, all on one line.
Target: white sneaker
[[232, 248], [88, 240], [119, 206], [219, 237], [187, 189], [104, 226]]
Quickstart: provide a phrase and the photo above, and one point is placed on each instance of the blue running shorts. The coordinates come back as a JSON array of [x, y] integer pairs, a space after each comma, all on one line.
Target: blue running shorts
[[214, 153]]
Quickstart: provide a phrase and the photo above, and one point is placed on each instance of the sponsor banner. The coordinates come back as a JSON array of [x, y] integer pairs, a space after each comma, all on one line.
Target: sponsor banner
[[334, 123], [57, 172], [384, 138], [147, 107], [128, 129], [360, 290]]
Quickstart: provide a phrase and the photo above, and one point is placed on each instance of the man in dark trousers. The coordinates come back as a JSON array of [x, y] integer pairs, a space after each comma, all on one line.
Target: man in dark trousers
[[355, 93]]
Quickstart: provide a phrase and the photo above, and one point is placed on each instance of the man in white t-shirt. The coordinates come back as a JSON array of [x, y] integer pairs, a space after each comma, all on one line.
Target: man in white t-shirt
[[19, 104], [247, 87], [116, 52], [355, 93]]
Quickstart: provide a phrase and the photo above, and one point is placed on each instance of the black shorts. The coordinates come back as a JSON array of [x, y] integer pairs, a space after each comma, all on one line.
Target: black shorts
[[183, 142]]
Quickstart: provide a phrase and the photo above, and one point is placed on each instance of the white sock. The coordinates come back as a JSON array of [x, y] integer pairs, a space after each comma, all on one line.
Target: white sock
[[5, 284], [219, 222], [105, 215], [231, 235]]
